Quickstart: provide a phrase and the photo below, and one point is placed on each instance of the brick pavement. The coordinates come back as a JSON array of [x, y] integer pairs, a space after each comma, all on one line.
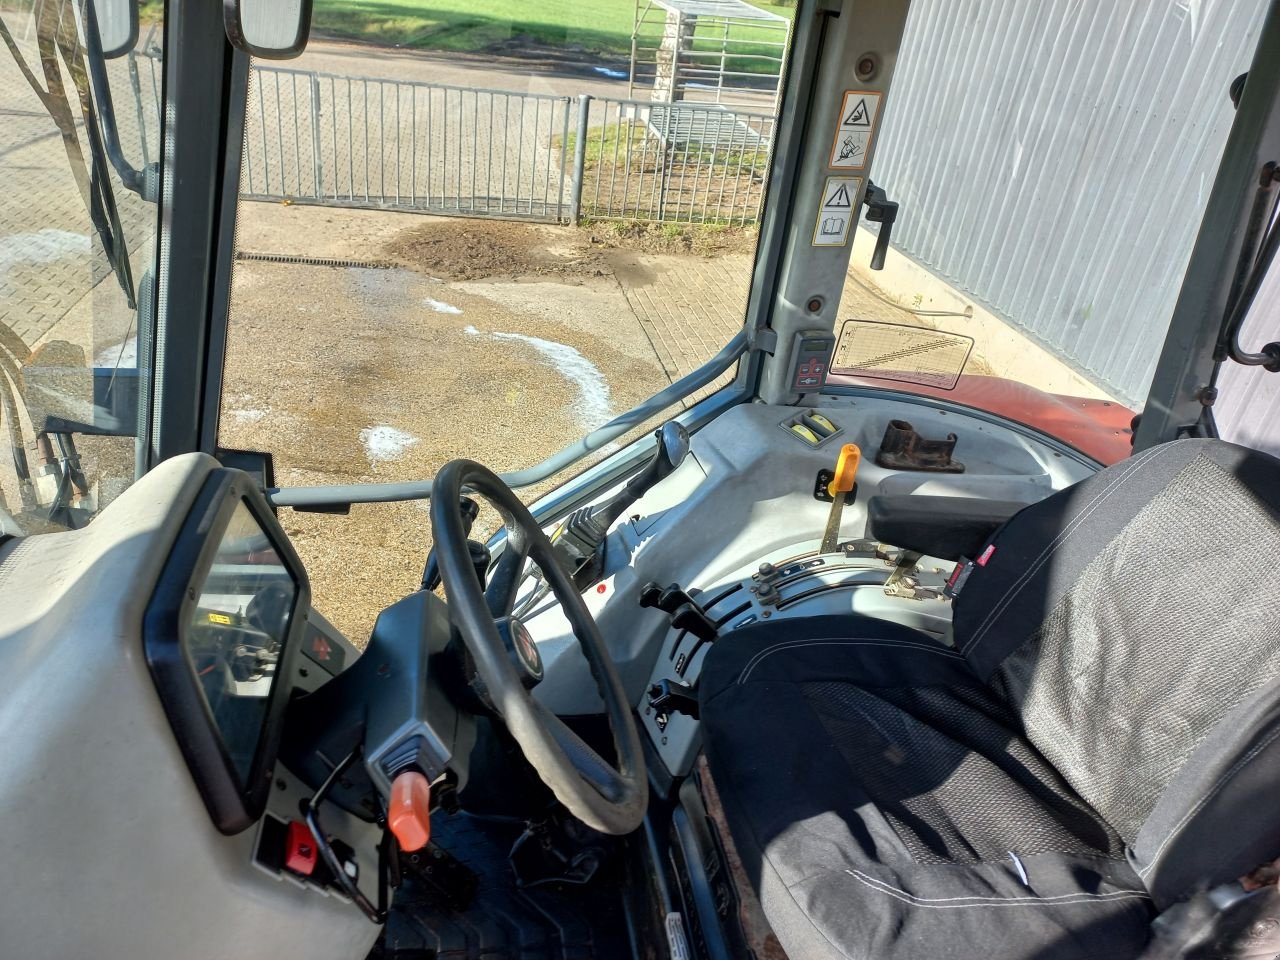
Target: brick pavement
[[50, 256]]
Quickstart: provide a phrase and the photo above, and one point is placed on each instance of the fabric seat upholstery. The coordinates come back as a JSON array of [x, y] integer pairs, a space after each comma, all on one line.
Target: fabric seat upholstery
[[1096, 746]]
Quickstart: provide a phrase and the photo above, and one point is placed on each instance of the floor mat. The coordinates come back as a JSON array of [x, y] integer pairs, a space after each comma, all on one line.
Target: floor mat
[[546, 922]]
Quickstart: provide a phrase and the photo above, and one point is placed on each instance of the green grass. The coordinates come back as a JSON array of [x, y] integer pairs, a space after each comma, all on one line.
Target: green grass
[[627, 145], [599, 26]]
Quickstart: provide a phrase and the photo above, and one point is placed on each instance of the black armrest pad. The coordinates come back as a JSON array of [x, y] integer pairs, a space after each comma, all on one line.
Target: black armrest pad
[[945, 527]]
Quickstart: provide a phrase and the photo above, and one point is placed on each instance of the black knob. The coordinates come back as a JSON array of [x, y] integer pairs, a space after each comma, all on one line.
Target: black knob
[[649, 594], [672, 696]]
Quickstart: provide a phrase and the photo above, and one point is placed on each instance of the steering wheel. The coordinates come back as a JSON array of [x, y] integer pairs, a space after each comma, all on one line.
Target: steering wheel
[[608, 799]]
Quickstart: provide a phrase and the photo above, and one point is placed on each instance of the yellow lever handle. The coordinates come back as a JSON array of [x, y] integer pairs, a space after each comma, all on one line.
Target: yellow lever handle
[[846, 473]]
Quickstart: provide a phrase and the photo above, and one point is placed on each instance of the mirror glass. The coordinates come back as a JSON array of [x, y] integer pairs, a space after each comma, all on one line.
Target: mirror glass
[[278, 27], [236, 633], [117, 26]]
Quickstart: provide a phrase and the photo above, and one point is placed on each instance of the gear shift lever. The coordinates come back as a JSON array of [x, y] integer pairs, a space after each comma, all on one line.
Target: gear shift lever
[[581, 537], [673, 447]]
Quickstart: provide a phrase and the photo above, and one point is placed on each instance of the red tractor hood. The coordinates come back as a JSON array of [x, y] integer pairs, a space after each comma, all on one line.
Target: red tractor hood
[[1097, 428]]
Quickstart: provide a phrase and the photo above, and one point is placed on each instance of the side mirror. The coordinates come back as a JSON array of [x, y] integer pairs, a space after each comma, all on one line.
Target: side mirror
[[268, 29], [117, 26]]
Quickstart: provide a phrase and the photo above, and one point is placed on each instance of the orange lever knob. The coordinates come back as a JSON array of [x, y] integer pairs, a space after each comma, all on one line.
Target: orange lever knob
[[846, 473], [409, 810]]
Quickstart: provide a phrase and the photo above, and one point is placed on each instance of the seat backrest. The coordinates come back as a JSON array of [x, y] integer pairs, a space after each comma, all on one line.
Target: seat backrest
[[1133, 621]]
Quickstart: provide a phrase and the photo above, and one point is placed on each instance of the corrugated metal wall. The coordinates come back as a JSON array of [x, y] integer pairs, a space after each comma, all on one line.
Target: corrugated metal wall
[[1053, 160]]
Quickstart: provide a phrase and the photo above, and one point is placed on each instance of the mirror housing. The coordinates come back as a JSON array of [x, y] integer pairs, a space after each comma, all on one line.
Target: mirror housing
[[268, 29], [117, 24]]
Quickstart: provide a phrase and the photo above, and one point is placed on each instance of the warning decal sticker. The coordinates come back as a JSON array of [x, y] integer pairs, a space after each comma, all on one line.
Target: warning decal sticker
[[859, 111], [831, 228]]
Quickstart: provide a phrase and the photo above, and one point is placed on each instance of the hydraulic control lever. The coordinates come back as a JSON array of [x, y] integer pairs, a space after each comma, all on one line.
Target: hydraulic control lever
[[881, 210], [667, 599], [691, 617], [580, 539]]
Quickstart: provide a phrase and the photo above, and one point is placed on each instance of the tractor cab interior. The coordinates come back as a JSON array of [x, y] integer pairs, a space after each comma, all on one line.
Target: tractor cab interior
[[856, 656]]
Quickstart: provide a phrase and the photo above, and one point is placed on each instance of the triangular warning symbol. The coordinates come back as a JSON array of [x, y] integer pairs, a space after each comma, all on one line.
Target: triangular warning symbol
[[858, 116], [839, 198]]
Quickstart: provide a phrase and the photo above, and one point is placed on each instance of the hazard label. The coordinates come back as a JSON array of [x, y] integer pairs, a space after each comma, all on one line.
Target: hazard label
[[859, 110], [839, 197]]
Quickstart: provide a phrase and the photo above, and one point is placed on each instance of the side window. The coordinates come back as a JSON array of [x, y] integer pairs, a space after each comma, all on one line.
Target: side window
[[1247, 410], [79, 144]]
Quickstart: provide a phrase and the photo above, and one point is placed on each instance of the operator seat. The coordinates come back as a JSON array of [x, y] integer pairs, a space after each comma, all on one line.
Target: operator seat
[[1101, 742]]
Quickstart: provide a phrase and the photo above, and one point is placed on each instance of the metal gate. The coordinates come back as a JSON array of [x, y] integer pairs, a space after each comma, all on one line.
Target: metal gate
[[389, 144], [676, 162], [470, 151]]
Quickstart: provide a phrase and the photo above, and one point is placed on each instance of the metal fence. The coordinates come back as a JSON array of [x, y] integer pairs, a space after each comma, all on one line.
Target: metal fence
[[368, 142], [680, 162], [365, 142]]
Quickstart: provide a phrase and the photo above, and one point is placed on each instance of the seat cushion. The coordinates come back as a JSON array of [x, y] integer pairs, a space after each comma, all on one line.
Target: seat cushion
[[887, 804]]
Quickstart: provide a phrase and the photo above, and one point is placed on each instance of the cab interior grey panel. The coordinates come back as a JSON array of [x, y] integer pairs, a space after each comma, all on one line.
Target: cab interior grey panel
[[90, 750]]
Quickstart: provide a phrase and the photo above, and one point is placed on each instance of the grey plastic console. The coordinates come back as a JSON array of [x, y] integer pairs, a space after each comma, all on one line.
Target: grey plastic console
[[946, 527]]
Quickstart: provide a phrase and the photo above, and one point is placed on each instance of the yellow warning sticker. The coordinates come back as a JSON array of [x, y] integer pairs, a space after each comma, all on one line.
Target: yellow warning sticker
[[839, 198], [855, 129], [221, 618]]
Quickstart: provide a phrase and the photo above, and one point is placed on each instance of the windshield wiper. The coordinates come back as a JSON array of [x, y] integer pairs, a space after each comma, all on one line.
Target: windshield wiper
[[57, 32]]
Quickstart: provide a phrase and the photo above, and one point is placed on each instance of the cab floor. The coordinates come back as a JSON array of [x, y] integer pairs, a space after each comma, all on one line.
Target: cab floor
[[546, 922]]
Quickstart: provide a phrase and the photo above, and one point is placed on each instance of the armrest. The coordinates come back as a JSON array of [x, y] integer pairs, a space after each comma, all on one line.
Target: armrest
[[945, 527]]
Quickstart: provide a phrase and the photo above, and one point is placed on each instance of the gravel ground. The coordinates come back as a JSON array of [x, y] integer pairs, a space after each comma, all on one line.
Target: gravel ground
[[353, 374]]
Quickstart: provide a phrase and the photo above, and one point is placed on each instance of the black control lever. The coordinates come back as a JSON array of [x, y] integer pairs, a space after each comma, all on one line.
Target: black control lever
[[673, 447], [431, 572], [881, 210], [672, 696], [667, 599], [691, 617], [581, 536], [649, 594]]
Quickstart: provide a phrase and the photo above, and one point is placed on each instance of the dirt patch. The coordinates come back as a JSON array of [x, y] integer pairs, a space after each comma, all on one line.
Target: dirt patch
[[475, 249], [364, 375], [703, 240], [481, 249]]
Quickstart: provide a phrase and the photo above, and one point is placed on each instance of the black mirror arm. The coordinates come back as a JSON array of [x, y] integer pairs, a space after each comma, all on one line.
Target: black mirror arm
[[131, 178]]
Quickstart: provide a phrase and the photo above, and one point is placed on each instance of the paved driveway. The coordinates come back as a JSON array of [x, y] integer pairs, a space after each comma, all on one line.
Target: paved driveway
[[50, 256]]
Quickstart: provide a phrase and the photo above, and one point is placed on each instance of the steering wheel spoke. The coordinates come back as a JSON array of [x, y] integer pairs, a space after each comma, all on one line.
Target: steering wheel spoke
[[506, 577]]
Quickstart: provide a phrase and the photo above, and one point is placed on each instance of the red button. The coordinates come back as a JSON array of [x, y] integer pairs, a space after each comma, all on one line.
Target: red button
[[300, 849]]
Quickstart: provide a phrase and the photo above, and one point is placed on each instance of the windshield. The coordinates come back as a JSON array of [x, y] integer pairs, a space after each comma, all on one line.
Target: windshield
[[77, 244], [483, 235]]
